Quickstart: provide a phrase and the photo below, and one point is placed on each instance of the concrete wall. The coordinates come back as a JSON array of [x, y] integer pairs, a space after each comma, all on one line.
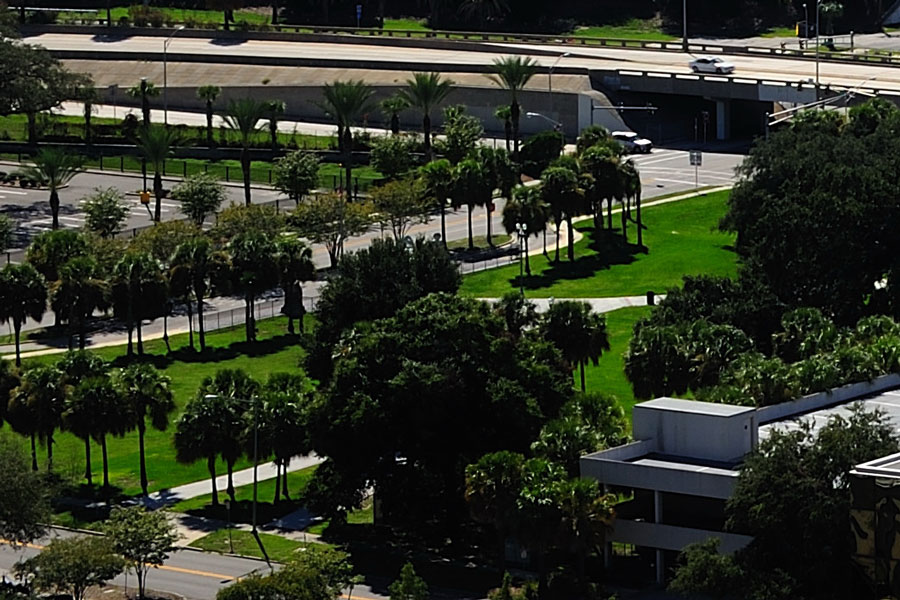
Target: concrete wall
[[669, 537], [777, 412], [709, 483]]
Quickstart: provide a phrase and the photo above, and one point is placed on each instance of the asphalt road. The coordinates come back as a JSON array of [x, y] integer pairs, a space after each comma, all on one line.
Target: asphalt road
[[759, 67]]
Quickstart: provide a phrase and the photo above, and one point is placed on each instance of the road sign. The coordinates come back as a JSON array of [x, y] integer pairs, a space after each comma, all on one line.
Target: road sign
[[696, 158], [358, 13], [145, 197]]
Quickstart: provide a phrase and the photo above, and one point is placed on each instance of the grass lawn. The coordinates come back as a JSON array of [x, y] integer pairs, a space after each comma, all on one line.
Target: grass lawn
[[633, 29], [278, 548], [241, 510], [479, 241], [609, 375], [779, 32], [174, 14], [275, 351], [362, 516], [681, 238], [406, 24]]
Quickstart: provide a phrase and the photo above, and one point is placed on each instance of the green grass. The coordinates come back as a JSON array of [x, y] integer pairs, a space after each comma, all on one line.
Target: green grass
[[633, 29], [174, 14], [274, 352], [681, 239], [779, 32], [241, 509], [406, 24], [609, 375], [278, 548], [479, 242], [362, 516]]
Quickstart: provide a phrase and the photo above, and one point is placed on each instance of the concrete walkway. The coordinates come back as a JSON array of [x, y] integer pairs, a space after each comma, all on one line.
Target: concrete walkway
[[599, 305]]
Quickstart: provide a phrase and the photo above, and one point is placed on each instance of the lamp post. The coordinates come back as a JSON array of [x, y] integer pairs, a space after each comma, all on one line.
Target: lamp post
[[166, 43], [818, 4], [684, 40], [556, 124], [521, 232], [805, 22], [550, 77]]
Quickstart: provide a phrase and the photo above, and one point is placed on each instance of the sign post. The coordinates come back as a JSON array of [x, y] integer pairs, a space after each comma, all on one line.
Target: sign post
[[358, 14], [696, 162]]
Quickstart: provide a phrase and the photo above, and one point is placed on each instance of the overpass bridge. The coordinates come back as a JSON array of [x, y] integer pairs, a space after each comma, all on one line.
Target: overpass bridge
[[585, 83]]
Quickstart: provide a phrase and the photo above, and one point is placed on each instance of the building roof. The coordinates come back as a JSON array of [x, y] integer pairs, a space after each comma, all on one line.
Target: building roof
[[694, 407]]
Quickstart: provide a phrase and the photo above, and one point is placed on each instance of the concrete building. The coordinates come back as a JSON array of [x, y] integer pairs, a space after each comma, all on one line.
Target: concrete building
[[684, 463]]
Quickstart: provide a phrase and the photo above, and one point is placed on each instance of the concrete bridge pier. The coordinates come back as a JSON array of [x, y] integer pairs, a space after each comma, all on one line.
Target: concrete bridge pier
[[723, 120]]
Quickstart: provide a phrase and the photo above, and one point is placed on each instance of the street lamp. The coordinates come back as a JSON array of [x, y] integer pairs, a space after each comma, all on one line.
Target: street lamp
[[805, 22], [166, 43], [550, 77], [255, 401], [556, 124], [684, 40], [521, 232], [818, 4]]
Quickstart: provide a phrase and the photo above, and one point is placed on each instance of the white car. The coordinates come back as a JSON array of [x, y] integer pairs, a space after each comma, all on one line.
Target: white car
[[632, 142], [711, 64]]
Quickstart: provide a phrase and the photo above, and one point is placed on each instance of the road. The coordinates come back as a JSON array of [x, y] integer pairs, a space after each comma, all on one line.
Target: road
[[758, 67]]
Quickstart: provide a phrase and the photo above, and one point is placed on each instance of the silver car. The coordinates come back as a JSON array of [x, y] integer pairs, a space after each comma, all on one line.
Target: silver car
[[632, 142], [711, 64]]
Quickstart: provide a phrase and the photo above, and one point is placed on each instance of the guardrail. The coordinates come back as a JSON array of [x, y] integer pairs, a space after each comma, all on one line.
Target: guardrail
[[299, 32]]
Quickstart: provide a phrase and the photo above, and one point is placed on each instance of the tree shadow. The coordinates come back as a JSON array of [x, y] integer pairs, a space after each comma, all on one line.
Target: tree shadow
[[186, 354], [610, 250]]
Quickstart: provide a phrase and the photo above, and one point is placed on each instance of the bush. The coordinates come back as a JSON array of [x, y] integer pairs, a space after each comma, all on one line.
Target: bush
[[124, 21], [191, 23], [539, 151]]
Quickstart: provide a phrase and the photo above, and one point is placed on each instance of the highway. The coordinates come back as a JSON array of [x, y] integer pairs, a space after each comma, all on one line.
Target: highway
[[753, 67]]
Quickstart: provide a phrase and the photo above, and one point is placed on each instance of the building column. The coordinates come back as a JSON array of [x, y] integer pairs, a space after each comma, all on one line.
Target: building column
[[658, 518], [723, 119]]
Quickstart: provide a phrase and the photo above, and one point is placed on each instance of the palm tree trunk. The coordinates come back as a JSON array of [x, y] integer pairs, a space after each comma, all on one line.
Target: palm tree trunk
[[426, 129], [274, 12], [50, 452], [581, 368], [273, 133], [640, 226], [487, 208], [289, 300], [609, 203], [624, 226], [141, 429], [108, 13], [32, 127], [471, 238], [190, 311], [211, 468], [248, 326], [34, 465], [88, 472], [105, 461], [88, 108], [444, 224], [201, 331], [302, 309], [284, 479], [54, 207], [514, 115], [395, 124], [209, 125], [348, 160], [556, 258], [230, 490], [82, 332], [158, 192], [277, 481], [527, 260], [17, 329], [571, 236], [140, 339], [245, 167], [129, 324]]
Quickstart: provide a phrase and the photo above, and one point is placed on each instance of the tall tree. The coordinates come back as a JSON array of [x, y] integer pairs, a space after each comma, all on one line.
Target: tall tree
[[105, 211], [526, 208], [484, 10], [346, 102], [578, 332], [295, 265], [143, 538], [200, 196], [513, 73], [52, 249], [274, 111], [400, 204], [40, 397], [209, 93], [560, 191], [155, 145], [327, 219], [282, 433], [631, 185], [408, 586], [493, 485], [138, 290], [253, 271], [424, 92], [111, 414], [24, 504], [23, 295], [72, 565], [88, 96], [297, 174], [504, 114], [146, 391], [392, 106], [462, 133], [79, 416], [244, 116], [195, 267], [53, 168], [473, 186], [144, 91], [80, 290], [437, 179]]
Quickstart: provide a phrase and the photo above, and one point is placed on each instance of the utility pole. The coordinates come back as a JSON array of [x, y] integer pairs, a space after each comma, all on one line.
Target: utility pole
[[684, 41]]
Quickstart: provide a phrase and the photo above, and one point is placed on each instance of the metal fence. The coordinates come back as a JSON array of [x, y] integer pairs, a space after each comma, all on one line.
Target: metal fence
[[493, 262], [264, 309]]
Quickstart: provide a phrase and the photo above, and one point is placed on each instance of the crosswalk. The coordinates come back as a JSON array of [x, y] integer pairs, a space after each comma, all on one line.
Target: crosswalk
[[77, 220]]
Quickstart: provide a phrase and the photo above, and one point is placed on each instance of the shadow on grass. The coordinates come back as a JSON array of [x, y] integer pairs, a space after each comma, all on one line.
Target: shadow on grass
[[186, 354], [242, 511], [610, 250]]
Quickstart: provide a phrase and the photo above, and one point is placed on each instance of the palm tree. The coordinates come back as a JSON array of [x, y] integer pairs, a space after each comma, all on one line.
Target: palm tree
[[631, 186], [586, 516], [9, 380], [294, 259], [437, 176], [146, 391], [577, 331], [514, 73], [473, 187], [111, 414], [282, 420], [602, 164], [22, 417], [195, 265], [392, 106], [80, 289], [501, 173], [54, 168], [78, 416], [244, 116], [23, 295], [233, 390], [346, 102], [504, 113], [484, 10], [253, 271], [560, 191], [209, 93], [156, 144], [40, 397], [526, 208], [144, 90], [493, 485], [88, 95], [274, 111], [139, 291], [424, 92], [197, 436]]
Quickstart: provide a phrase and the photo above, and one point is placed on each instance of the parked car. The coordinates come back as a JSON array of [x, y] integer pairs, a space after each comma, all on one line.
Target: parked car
[[632, 142], [711, 64]]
